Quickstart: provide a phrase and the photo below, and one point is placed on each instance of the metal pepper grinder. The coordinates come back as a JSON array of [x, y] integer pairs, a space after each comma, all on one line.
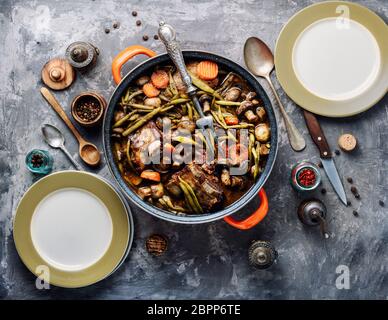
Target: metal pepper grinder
[[82, 55], [262, 254], [312, 212]]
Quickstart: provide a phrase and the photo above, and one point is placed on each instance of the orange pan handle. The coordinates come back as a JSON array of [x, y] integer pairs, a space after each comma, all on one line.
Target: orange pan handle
[[124, 56], [254, 218]]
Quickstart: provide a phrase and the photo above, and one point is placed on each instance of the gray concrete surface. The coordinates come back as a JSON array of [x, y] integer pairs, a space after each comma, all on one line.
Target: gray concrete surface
[[204, 261]]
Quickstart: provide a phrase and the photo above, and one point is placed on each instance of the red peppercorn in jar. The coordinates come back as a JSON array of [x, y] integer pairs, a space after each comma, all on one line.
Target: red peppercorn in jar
[[305, 176]]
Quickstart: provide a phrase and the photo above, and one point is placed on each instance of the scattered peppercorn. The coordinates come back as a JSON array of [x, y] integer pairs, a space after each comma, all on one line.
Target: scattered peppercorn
[[156, 244], [37, 160], [323, 191], [134, 13], [337, 152], [156, 37], [355, 213], [354, 190], [116, 25], [138, 22], [145, 37], [107, 30], [38, 42], [88, 110], [350, 180], [381, 203], [348, 203]]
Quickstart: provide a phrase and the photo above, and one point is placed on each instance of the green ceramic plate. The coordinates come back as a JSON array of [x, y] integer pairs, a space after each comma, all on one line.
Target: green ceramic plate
[[81, 239], [331, 58]]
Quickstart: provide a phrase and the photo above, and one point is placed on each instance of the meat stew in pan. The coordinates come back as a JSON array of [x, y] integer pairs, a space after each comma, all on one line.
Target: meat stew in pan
[[163, 157]]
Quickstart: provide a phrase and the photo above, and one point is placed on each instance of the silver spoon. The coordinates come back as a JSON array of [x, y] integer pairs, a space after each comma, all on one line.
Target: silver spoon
[[55, 139], [259, 60]]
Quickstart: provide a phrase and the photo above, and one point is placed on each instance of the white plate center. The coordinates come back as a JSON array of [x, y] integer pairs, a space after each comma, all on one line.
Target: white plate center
[[71, 229], [336, 60]]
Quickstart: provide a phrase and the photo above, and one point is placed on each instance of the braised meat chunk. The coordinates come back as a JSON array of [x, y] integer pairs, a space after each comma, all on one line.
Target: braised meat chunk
[[145, 143], [207, 188]]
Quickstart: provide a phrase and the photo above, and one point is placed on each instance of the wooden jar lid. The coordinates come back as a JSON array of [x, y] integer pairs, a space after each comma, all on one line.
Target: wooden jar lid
[[347, 142], [58, 74]]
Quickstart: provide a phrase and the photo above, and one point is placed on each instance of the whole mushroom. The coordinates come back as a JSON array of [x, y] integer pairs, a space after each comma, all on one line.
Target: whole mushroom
[[232, 94], [250, 95], [262, 132], [153, 102], [260, 111], [142, 80], [205, 100], [246, 108]]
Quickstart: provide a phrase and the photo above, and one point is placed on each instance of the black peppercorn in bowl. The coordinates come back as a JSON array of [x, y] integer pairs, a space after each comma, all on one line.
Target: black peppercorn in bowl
[[88, 108]]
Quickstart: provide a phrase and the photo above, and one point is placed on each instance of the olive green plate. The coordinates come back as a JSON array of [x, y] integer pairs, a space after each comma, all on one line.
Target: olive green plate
[[122, 229], [295, 89]]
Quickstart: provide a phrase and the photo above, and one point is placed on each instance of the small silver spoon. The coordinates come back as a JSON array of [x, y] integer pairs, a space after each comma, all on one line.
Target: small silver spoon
[[259, 60], [55, 139]]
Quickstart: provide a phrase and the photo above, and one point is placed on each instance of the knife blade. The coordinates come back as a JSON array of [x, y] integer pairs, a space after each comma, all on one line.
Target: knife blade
[[326, 156]]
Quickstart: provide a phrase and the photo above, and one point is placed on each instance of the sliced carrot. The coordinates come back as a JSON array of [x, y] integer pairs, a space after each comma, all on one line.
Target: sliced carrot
[[160, 79], [150, 91], [132, 178], [231, 120], [150, 175], [207, 70]]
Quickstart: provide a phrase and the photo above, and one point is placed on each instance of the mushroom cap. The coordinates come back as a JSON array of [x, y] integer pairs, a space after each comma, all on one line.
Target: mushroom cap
[[232, 94], [250, 95], [205, 97], [262, 132], [244, 107]]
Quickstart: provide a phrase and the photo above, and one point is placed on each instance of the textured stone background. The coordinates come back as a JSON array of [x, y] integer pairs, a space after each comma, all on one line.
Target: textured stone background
[[204, 261]]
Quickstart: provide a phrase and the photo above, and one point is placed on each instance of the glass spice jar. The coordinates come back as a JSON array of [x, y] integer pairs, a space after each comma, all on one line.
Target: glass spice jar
[[305, 176], [39, 161]]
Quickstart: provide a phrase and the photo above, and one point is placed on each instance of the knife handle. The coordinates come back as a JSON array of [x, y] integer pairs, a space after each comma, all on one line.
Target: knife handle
[[317, 134]]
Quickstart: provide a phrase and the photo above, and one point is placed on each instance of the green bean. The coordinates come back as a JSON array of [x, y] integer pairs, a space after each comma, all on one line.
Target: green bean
[[227, 103], [251, 144], [189, 201], [257, 169], [184, 108], [203, 85], [197, 207], [164, 98], [220, 116], [128, 99], [231, 136], [176, 101], [125, 98], [142, 121], [167, 200], [202, 138], [140, 106], [134, 117], [185, 140], [123, 119], [172, 85], [218, 120], [241, 126], [189, 111]]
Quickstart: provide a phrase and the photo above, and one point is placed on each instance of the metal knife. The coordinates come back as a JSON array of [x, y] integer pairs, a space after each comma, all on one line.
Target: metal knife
[[326, 155], [168, 36]]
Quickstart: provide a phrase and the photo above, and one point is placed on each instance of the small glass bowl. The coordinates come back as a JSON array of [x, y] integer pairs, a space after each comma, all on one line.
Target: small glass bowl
[[297, 169], [47, 161]]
